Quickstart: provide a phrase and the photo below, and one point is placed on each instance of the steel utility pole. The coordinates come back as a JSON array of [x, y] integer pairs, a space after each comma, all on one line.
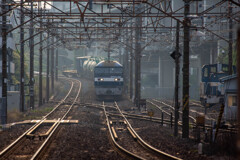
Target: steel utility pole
[[56, 72], [138, 58], [185, 115], [40, 65], [126, 63], [47, 78], [238, 83], [230, 38], [52, 66], [22, 96], [56, 62], [4, 65], [176, 81], [31, 44], [131, 64]]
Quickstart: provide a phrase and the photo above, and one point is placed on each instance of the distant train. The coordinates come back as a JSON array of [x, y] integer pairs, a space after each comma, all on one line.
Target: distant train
[[83, 67], [108, 79], [211, 90], [107, 75]]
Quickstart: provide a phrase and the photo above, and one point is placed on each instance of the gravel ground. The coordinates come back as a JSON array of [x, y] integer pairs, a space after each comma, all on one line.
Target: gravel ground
[[89, 138], [86, 140], [10, 135], [162, 138]]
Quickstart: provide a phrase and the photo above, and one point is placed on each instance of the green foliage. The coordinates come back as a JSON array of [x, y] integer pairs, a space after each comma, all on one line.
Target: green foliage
[[16, 76], [223, 57]]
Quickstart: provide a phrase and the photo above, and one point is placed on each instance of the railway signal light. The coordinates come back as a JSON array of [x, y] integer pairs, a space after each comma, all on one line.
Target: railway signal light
[[175, 55]]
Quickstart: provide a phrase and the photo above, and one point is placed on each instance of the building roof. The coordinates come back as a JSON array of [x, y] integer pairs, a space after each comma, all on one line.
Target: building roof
[[231, 91], [227, 78]]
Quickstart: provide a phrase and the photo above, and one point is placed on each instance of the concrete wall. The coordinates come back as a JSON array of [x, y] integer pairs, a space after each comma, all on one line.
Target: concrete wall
[[158, 68], [13, 100]]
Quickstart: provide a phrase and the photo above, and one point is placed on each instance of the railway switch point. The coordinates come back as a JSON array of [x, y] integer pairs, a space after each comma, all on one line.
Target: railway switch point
[[114, 133]]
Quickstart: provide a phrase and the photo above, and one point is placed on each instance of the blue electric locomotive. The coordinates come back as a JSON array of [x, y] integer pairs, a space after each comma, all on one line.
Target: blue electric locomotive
[[211, 90], [108, 79]]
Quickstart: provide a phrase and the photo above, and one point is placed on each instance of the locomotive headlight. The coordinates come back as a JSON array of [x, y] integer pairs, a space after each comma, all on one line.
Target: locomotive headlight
[[116, 79], [100, 79]]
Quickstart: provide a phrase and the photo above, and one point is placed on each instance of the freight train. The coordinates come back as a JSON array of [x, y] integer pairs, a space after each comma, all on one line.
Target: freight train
[[211, 90], [108, 79], [85, 65]]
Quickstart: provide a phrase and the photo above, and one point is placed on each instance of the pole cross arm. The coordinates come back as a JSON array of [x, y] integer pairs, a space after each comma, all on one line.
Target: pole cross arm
[[22, 24], [236, 3]]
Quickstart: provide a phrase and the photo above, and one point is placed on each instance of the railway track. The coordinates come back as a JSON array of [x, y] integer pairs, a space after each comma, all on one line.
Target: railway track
[[128, 115], [125, 138], [209, 116], [168, 109], [32, 143], [208, 120], [192, 111]]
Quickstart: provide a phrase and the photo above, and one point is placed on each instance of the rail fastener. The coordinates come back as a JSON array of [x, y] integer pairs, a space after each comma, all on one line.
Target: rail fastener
[[133, 135], [114, 133]]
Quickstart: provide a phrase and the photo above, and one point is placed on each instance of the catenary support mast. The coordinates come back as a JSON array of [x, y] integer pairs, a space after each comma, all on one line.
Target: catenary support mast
[[4, 65], [40, 66], [22, 96], [176, 81], [31, 45], [230, 48], [185, 115], [47, 78]]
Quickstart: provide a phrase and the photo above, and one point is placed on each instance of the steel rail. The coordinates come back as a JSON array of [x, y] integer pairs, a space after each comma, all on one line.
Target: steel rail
[[43, 146], [161, 109], [8, 148], [128, 153], [160, 153], [193, 111], [194, 119], [206, 126], [133, 116], [141, 117]]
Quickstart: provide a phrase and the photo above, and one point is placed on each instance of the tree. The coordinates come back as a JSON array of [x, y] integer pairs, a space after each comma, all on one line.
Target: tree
[[16, 76]]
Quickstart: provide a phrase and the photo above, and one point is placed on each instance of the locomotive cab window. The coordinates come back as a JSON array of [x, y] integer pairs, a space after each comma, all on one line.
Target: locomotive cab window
[[213, 69], [101, 70], [206, 72], [116, 70]]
